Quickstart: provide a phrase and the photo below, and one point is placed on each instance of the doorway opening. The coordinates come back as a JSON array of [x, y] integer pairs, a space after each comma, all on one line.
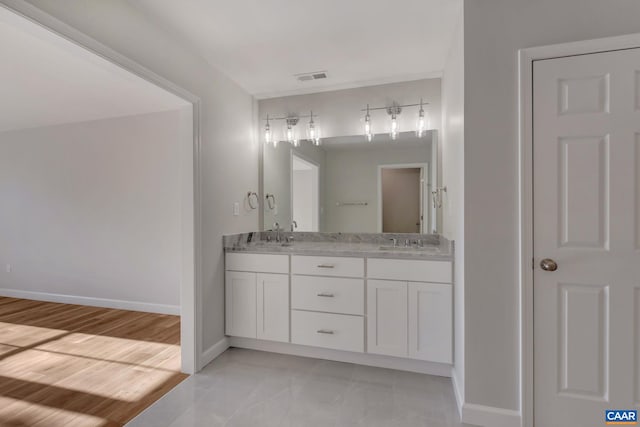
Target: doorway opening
[[107, 90], [305, 189], [402, 195]]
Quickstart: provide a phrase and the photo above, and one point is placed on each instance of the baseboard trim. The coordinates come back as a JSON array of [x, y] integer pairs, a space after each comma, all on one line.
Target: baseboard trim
[[214, 351], [93, 302], [430, 368], [457, 392], [489, 416]]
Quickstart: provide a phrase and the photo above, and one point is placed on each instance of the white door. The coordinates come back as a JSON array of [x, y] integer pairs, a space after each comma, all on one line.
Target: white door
[[430, 322], [387, 317], [273, 307], [586, 212], [240, 304]]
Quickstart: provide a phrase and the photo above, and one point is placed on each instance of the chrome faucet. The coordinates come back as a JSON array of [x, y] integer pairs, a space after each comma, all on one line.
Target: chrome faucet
[[276, 226], [294, 225]]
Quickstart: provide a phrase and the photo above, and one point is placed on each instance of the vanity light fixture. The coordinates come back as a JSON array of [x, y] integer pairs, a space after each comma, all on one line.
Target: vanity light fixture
[[367, 126], [289, 131], [421, 122], [394, 111]]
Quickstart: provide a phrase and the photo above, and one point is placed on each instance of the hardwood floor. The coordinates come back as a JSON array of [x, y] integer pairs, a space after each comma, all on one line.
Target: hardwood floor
[[71, 365]]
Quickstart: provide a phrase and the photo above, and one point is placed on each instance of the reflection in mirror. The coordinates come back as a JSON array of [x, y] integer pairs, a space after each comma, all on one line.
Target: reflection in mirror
[[349, 184]]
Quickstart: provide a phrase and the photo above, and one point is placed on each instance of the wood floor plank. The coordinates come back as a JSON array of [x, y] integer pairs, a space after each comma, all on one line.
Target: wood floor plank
[[67, 365]]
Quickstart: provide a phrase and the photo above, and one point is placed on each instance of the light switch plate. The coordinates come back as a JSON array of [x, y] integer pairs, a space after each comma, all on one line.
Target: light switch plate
[[236, 209]]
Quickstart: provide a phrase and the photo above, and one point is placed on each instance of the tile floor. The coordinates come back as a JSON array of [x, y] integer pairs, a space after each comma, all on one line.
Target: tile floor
[[252, 388]]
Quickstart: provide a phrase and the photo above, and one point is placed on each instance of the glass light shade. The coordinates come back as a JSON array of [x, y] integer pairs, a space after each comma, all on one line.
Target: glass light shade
[[290, 134], [421, 124], [394, 127], [267, 134]]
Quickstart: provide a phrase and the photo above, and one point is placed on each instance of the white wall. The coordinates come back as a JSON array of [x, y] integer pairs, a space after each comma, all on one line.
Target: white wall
[[92, 211], [339, 111], [352, 176], [229, 150], [453, 178], [494, 30]]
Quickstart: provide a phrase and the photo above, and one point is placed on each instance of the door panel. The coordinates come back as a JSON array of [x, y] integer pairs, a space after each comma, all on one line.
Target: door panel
[[387, 317], [241, 299], [586, 122], [273, 307], [584, 340], [430, 322], [584, 191]]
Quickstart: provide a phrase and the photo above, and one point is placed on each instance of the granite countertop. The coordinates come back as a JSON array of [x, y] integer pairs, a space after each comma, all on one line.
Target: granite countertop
[[372, 246]]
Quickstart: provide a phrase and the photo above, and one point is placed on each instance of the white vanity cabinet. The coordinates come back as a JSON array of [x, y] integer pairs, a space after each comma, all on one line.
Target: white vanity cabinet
[[409, 318], [380, 306], [257, 302]]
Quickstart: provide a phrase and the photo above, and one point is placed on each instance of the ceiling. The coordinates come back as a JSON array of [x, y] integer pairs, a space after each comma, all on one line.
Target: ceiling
[[46, 80], [262, 44]]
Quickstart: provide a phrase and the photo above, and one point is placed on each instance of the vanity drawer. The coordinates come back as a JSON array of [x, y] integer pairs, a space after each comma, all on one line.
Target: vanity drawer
[[261, 263], [327, 266], [337, 331], [330, 294], [410, 270]]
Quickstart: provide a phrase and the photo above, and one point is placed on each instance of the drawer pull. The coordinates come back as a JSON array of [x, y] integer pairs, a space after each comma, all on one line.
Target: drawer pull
[[326, 295], [325, 331], [326, 266]]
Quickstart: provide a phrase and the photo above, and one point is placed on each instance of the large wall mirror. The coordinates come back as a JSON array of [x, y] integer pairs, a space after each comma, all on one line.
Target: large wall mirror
[[352, 185]]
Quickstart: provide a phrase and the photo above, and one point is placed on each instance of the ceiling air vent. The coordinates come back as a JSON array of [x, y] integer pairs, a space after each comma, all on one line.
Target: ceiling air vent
[[307, 77]]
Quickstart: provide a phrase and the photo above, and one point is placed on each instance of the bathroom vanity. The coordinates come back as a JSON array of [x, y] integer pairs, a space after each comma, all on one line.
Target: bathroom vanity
[[355, 298]]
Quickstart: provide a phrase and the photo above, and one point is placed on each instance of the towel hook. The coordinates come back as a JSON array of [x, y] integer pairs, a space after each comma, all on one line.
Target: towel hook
[[252, 199], [271, 201]]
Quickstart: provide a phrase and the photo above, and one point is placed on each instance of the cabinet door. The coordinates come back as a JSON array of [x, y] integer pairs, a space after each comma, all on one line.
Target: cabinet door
[[387, 317], [273, 307], [240, 299], [430, 322]]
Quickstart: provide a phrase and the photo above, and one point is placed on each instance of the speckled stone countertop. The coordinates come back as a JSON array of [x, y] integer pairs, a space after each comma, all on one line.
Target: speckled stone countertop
[[374, 245]]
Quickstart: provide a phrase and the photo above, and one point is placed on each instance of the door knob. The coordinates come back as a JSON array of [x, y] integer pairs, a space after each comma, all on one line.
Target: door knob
[[548, 265]]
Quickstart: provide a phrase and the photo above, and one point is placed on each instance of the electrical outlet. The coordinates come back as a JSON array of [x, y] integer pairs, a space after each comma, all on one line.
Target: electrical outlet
[[7, 268], [236, 209]]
